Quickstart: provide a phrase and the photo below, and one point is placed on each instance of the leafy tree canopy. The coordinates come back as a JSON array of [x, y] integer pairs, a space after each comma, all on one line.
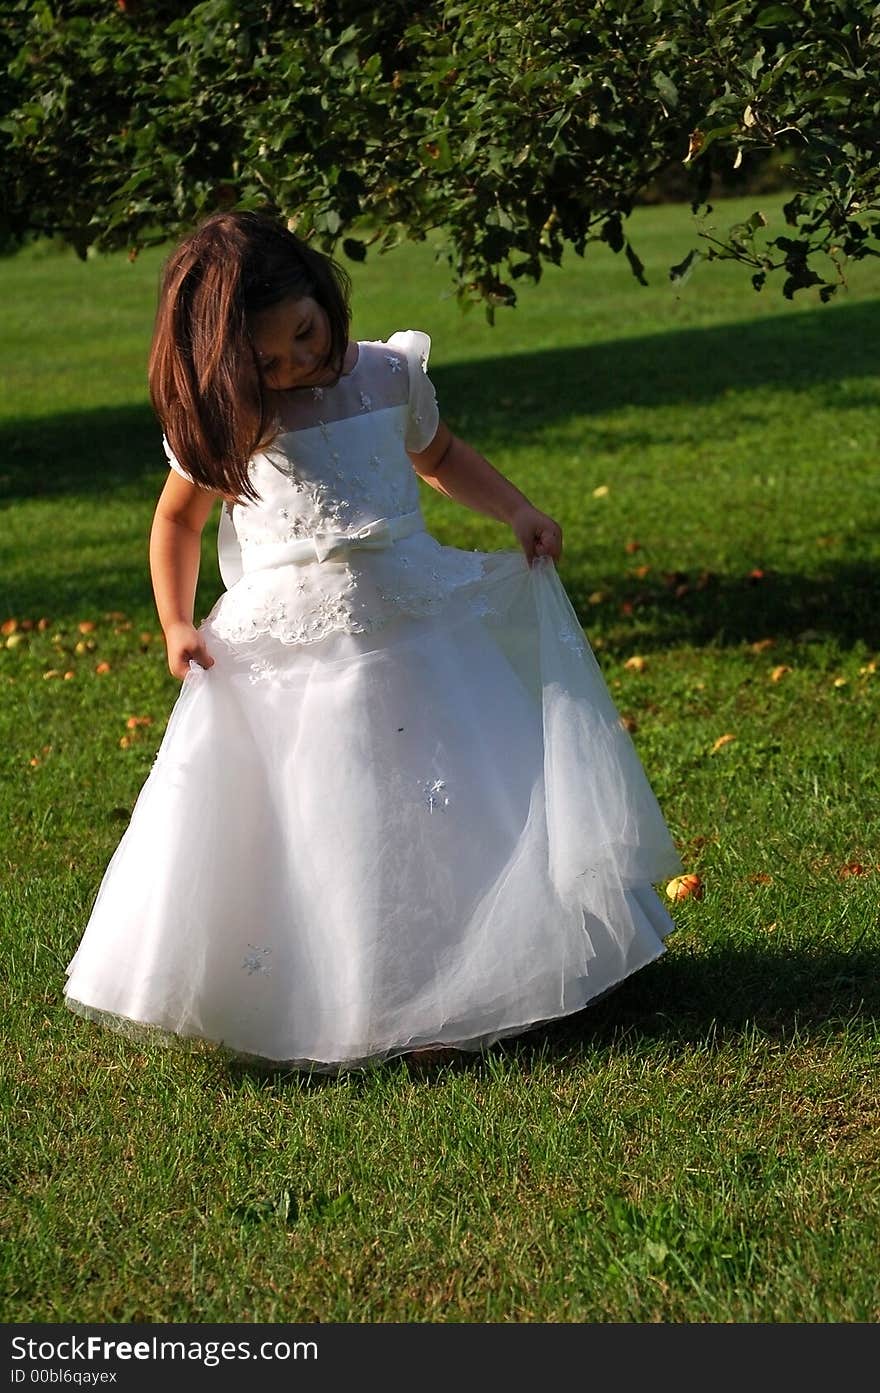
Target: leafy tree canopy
[[512, 128]]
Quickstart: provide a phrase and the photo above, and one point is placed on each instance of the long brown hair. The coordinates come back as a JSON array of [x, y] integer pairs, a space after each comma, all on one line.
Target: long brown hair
[[205, 383]]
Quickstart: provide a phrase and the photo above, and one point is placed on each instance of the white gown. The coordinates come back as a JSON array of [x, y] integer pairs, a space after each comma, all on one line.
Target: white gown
[[400, 809]]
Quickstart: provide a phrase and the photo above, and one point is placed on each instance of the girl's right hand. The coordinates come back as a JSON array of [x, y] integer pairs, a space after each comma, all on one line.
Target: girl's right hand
[[182, 643]]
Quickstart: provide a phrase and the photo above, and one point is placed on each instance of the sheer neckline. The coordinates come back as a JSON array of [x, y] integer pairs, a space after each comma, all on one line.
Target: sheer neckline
[[356, 364], [287, 393]]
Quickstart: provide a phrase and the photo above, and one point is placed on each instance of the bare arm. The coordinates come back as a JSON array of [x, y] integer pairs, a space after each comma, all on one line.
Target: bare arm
[[456, 469], [175, 554]]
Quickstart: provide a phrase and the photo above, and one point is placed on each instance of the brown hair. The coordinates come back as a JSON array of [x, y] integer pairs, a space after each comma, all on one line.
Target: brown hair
[[205, 383]]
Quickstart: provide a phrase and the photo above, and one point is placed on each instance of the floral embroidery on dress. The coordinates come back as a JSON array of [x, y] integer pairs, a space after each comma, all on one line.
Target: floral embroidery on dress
[[263, 670], [481, 606], [317, 605], [572, 638], [337, 464], [255, 960], [435, 795]]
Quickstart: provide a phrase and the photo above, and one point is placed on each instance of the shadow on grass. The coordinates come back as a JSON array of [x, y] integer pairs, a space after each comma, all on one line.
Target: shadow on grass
[[684, 1001], [69, 593], [91, 452], [82, 454], [97, 453], [842, 603], [523, 393], [690, 998]]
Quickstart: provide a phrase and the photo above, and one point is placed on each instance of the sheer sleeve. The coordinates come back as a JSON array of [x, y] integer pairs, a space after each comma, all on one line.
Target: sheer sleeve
[[174, 462], [423, 416]]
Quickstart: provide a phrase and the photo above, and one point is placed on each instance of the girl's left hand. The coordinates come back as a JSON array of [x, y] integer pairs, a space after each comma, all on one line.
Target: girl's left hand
[[537, 534]]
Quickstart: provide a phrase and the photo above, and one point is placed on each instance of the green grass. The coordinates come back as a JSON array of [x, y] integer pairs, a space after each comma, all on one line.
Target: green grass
[[702, 1145]]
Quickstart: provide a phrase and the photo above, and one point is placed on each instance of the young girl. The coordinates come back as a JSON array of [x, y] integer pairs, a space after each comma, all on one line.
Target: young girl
[[394, 807]]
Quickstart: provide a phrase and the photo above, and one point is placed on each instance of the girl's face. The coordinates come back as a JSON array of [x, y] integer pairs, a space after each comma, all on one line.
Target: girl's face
[[292, 341]]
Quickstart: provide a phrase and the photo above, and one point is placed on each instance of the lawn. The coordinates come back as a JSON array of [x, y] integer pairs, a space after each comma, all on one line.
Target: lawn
[[703, 1145]]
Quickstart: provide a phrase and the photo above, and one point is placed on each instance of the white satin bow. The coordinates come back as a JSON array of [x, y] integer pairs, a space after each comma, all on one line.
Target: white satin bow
[[335, 546], [237, 561]]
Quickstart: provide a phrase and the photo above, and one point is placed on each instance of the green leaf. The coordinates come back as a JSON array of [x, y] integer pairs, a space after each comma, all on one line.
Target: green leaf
[[427, 117], [636, 266], [612, 233], [667, 90], [776, 14]]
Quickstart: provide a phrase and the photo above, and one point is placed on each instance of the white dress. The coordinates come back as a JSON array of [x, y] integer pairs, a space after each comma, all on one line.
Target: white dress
[[400, 809]]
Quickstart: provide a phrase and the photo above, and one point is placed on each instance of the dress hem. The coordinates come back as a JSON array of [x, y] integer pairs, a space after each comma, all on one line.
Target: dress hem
[[148, 1033]]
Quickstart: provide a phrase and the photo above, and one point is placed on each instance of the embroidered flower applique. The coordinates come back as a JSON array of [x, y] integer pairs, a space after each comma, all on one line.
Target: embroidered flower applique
[[255, 960], [262, 671], [302, 604], [366, 402], [435, 795], [572, 638], [393, 361]]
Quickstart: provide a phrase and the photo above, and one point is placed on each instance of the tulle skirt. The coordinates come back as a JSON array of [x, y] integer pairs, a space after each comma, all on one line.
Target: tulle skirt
[[435, 833]]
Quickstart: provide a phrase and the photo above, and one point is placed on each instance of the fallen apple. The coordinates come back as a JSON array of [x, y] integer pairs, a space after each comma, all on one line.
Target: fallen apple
[[685, 887]]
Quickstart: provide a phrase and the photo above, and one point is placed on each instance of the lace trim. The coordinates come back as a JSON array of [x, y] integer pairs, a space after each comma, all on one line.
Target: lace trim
[[287, 605]]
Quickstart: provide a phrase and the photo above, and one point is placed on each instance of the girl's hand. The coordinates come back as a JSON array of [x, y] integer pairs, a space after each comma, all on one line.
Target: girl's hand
[[183, 642], [537, 534]]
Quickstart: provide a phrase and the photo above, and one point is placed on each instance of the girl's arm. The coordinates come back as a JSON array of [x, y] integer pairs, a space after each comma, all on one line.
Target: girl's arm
[[175, 553], [456, 469]]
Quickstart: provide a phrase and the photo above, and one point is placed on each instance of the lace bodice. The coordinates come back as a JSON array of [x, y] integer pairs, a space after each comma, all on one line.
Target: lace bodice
[[338, 465]]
